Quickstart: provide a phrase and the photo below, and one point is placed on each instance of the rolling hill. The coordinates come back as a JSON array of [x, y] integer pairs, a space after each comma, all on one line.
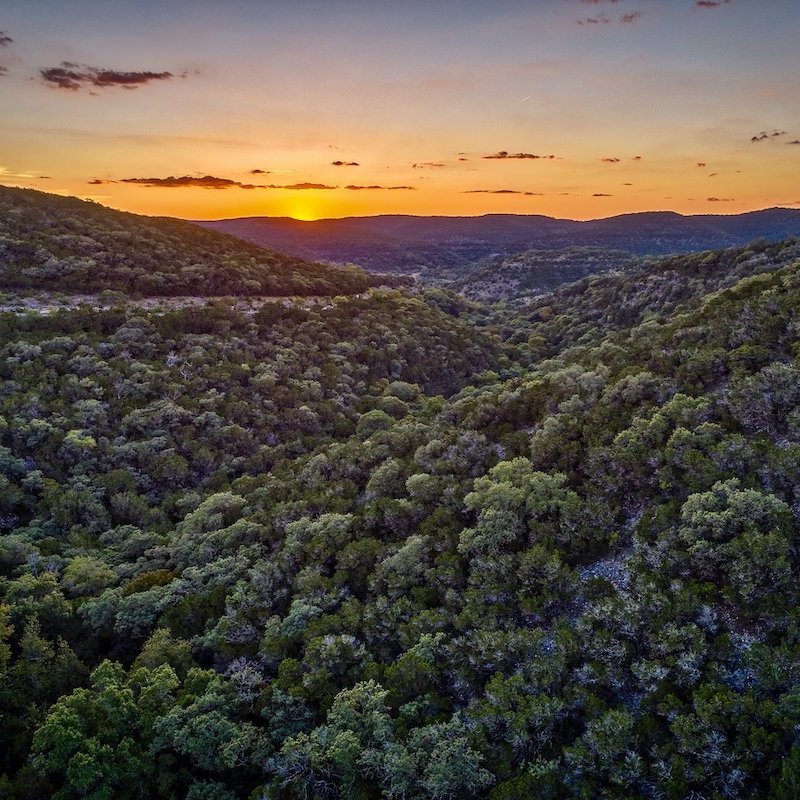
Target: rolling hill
[[448, 246], [63, 243]]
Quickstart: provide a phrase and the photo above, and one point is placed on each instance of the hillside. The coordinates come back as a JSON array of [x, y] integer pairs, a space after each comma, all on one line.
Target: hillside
[[49, 242], [438, 246], [523, 275], [398, 546]]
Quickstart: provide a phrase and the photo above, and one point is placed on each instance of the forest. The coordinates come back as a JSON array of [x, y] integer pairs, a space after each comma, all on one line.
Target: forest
[[48, 242], [404, 544]]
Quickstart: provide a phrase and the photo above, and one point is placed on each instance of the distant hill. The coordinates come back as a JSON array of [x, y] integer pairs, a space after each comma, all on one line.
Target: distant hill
[[395, 243], [66, 244]]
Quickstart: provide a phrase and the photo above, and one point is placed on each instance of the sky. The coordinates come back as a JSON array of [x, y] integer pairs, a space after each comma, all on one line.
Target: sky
[[332, 108]]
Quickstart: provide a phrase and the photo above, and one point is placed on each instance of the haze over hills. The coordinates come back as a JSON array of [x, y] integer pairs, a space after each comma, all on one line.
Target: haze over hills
[[398, 243]]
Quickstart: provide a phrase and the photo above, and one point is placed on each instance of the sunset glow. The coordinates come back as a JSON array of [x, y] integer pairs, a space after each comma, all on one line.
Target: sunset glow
[[327, 109]]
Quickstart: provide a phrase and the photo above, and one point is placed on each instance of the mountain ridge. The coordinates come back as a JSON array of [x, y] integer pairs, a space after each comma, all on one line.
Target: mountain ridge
[[432, 244]]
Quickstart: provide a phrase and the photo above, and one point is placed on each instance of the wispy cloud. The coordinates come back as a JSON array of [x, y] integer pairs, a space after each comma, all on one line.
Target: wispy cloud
[[354, 188], [3, 71], [428, 165], [720, 199], [345, 164], [610, 160], [503, 191], [794, 141], [701, 164], [6, 173], [74, 77], [5, 39], [626, 19], [711, 3], [602, 194], [601, 19], [503, 154]]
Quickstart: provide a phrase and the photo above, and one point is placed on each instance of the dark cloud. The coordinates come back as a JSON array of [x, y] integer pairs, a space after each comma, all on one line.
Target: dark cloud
[[260, 172], [73, 77], [304, 186], [637, 158], [204, 182], [597, 2], [713, 175], [345, 164], [627, 184], [720, 199], [701, 163], [632, 17], [610, 160], [211, 182], [794, 141], [711, 3], [354, 188], [602, 194], [3, 71], [427, 165], [5, 39], [98, 182], [502, 155], [761, 136], [461, 158], [503, 191]]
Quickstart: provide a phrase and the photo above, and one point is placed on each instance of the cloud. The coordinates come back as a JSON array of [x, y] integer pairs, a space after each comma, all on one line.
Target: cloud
[[98, 182], [204, 182], [3, 71], [610, 160], [720, 199], [632, 17], [354, 188], [794, 141], [602, 194], [597, 2], [259, 172], [5, 39], [711, 3], [73, 77], [701, 163], [208, 182], [5, 172], [304, 186], [600, 19], [427, 165], [345, 164], [502, 155], [503, 191], [760, 137], [637, 158]]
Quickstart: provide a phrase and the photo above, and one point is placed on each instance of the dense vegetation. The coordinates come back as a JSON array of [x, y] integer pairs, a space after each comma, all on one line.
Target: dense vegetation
[[520, 276], [62, 243], [409, 547]]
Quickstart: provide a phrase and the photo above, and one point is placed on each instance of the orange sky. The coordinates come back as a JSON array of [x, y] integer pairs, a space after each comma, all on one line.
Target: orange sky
[[642, 104]]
